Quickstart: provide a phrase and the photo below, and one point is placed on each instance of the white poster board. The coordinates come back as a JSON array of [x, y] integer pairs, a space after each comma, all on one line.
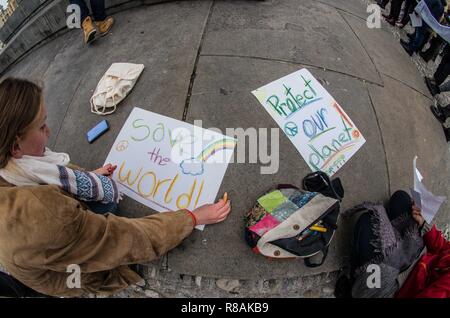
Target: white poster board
[[167, 164], [314, 122]]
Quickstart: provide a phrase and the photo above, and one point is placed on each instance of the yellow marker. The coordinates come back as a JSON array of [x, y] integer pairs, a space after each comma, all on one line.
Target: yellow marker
[[225, 197], [318, 228]]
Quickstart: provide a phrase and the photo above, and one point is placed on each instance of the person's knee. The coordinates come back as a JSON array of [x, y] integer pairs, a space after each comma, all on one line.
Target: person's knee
[[363, 227], [363, 237], [400, 204]]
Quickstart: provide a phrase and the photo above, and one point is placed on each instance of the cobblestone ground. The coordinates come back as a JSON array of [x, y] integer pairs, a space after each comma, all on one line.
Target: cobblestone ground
[[160, 283], [164, 283]]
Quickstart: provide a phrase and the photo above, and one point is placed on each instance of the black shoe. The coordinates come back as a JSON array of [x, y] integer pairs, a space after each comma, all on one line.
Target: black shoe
[[425, 56], [390, 21], [432, 87], [437, 113], [447, 134], [343, 287], [406, 47]]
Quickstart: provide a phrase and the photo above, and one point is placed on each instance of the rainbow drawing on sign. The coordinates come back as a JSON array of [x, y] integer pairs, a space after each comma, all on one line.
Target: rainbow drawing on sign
[[194, 166], [217, 146]]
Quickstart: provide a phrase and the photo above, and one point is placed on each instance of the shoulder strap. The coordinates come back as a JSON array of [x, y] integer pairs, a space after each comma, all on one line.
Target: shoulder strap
[[308, 262], [320, 182]]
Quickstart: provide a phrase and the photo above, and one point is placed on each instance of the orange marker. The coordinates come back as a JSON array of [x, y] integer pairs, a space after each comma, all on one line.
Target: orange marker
[[225, 197]]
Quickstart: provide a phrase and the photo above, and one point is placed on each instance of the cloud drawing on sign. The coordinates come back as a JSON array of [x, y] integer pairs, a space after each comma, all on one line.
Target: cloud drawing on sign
[[192, 166]]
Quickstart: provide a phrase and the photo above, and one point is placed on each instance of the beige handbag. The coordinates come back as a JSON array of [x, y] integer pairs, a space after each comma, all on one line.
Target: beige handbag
[[114, 86]]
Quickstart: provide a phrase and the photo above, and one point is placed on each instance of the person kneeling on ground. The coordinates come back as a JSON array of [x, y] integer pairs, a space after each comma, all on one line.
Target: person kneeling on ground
[[392, 242], [46, 226]]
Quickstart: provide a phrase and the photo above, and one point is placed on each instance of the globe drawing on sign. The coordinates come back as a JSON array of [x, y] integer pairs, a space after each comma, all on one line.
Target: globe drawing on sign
[[291, 129], [122, 145]]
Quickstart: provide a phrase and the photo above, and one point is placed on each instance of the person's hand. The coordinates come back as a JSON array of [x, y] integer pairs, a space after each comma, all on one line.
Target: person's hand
[[417, 215], [212, 213], [106, 171]]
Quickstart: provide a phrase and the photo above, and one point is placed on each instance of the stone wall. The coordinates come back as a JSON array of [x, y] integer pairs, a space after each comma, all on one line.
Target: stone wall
[[36, 21]]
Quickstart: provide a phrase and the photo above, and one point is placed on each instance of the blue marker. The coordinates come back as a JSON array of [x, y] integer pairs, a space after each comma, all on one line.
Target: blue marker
[[97, 131]]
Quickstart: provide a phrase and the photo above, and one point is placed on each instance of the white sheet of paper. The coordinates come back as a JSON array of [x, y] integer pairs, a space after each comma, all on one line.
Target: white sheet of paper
[[429, 203], [313, 121], [416, 197], [167, 164]]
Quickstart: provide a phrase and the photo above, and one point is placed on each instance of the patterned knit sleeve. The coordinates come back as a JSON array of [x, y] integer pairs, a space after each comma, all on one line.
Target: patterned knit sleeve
[[88, 186]]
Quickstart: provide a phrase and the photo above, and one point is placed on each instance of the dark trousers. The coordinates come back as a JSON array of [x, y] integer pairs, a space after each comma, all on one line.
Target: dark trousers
[[396, 7], [97, 6], [363, 251], [420, 35], [409, 8], [11, 287], [443, 69], [432, 52]]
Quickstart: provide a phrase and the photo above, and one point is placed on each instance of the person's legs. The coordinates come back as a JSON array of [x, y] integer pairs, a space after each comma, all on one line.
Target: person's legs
[[400, 204], [86, 21], [363, 250], [427, 38], [396, 7], [441, 74], [443, 69], [103, 22], [98, 10], [436, 44], [446, 111], [441, 113], [84, 10], [447, 133], [409, 8], [415, 41], [419, 39], [445, 87], [11, 287]]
